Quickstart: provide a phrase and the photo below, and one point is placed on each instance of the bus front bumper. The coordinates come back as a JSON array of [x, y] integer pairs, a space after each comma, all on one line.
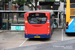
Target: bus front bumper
[[37, 36]]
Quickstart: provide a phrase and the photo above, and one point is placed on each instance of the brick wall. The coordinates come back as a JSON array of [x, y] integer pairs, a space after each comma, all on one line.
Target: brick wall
[[13, 8]]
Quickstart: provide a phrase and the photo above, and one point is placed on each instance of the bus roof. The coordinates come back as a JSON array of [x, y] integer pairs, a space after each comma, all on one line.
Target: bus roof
[[51, 11]]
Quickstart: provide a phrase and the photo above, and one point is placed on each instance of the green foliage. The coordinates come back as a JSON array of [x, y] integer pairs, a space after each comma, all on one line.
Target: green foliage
[[27, 2], [52, 0], [20, 2], [14, 2], [62, 0], [6, 1]]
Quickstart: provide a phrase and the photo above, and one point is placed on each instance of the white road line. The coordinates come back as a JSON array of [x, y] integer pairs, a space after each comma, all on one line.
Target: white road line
[[62, 34], [23, 42]]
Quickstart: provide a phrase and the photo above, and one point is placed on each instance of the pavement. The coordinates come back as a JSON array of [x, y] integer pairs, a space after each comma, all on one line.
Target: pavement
[[62, 45], [1, 31], [11, 40]]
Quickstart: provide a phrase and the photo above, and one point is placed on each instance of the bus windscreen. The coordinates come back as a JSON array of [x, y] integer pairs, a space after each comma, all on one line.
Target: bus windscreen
[[72, 16], [37, 20], [72, 1], [72, 5]]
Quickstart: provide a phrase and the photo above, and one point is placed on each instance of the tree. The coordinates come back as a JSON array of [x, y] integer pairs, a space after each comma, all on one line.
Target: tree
[[62, 0], [21, 2], [36, 4], [6, 1], [27, 2]]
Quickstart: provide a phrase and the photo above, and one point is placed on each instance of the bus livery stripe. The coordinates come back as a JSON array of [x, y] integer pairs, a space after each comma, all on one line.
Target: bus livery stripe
[[71, 21]]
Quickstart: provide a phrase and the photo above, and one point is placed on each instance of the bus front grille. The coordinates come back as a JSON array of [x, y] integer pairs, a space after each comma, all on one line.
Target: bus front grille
[[72, 12]]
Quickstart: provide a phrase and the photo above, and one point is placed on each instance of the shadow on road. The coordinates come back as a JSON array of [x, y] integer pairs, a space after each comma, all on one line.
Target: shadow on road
[[71, 34], [39, 39]]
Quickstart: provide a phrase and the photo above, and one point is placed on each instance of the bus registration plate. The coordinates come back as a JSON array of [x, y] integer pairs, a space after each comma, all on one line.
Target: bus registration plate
[[36, 36]]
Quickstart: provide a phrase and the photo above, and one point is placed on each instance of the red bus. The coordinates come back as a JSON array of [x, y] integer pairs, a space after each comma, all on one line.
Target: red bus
[[38, 24]]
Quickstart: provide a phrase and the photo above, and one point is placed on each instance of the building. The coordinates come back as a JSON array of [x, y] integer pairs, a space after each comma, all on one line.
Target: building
[[1, 8], [55, 5], [51, 4]]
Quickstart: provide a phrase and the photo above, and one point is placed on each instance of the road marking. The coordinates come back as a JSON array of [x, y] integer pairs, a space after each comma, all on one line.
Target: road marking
[[62, 34], [23, 42], [40, 43]]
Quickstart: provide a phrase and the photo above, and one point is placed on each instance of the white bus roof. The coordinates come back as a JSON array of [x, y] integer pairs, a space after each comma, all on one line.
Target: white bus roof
[[51, 11]]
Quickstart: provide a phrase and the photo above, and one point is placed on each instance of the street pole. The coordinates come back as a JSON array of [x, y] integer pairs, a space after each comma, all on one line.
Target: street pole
[[8, 14], [33, 4], [8, 21], [12, 13], [17, 13]]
